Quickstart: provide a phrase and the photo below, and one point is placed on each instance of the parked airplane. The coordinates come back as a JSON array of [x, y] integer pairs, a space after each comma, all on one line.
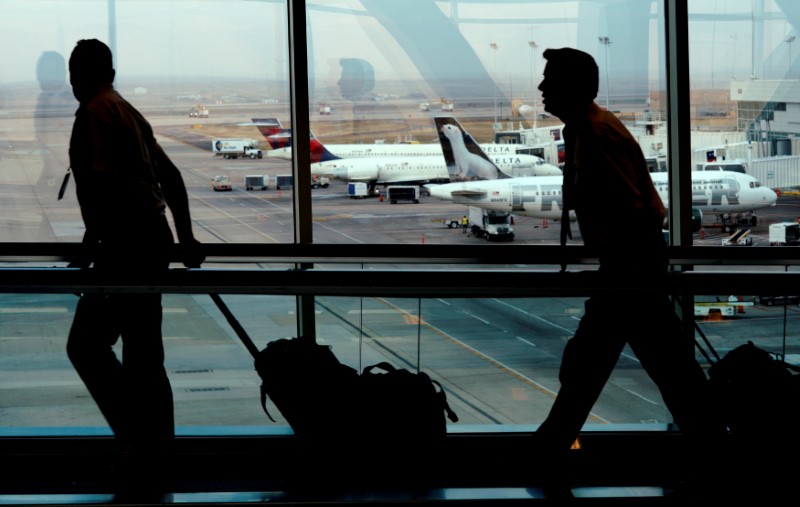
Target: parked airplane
[[410, 170], [281, 148], [730, 196]]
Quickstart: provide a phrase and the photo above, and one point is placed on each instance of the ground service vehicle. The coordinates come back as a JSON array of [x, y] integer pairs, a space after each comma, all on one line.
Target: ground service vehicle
[[320, 181], [778, 300], [719, 306], [284, 182], [738, 166], [784, 234], [396, 193], [490, 224], [741, 237], [357, 190], [235, 148], [198, 112], [255, 182], [221, 183]]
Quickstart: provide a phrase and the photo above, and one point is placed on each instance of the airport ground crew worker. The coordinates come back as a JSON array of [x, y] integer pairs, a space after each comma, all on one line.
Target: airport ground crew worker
[[124, 183], [464, 224]]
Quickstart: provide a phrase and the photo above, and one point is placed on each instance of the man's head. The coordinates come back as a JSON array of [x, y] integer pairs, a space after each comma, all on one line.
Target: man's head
[[90, 67], [570, 83], [357, 79]]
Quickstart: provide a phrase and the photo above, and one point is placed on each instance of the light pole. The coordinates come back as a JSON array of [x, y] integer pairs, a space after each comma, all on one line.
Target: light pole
[[788, 40], [493, 46], [533, 47], [606, 41]]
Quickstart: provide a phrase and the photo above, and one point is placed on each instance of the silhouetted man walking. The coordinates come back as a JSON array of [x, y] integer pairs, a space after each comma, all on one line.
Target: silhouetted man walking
[[124, 183], [605, 175]]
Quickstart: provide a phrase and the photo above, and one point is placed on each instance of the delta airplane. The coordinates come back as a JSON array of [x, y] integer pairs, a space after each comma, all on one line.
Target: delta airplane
[[411, 170], [279, 139], [727, 195]]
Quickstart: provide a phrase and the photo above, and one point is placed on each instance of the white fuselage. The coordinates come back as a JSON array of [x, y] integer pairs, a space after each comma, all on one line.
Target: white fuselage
[[713, 192], [397, 169], [397, 150]]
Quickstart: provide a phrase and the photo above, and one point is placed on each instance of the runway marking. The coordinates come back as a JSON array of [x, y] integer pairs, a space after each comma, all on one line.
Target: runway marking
[[537, 317], [637, 395], [494, 362], [43, 309], [379, 312], [175, 310], [225, 213]]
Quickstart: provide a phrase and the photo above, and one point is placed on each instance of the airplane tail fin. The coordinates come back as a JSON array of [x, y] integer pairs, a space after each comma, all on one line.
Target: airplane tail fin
[[463, 155], [273, 132], [319, 153]]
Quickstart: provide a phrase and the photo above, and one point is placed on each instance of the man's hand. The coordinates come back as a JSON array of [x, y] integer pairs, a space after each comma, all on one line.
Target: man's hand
[[566, 232], [191, 255]]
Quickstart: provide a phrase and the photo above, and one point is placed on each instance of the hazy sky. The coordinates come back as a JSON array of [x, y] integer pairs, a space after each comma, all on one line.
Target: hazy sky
[[247, 38]]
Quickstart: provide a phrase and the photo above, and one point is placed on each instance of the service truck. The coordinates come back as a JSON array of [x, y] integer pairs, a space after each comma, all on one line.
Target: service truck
[[255, 182], [320, 181], [720, 306], [395, 193], [784, 234], [235, 148], [490, 224], [357, 190]]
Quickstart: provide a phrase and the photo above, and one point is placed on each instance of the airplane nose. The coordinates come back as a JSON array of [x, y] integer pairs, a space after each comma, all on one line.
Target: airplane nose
[[772, 196]]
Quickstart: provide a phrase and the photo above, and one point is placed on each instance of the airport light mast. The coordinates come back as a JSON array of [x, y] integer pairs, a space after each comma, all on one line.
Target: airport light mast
[[533, 47], [493, 46], [606, 41], [788, 40]]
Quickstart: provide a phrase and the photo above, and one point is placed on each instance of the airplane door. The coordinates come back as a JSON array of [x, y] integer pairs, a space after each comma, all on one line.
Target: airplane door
[[516, 196]]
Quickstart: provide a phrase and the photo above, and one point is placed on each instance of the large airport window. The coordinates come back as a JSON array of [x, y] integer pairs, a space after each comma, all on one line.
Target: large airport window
[[213, 79]]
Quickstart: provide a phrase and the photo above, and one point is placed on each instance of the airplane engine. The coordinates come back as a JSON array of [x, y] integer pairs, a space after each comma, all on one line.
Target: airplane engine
[[355, 172]]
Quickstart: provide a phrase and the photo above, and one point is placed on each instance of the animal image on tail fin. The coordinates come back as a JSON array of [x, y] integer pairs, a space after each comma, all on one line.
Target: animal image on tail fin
[[463, 155]]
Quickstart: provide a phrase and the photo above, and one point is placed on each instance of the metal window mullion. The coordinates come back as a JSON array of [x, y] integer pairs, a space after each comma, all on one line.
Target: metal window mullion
[[301, 151], [679, 142]]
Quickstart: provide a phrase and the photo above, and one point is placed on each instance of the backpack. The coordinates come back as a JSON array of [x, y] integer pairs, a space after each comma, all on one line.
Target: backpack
[[308, 384], [757, 393], [330, 403]]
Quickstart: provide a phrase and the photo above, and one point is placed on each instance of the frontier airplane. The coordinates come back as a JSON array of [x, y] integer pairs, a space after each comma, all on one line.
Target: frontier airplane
[[728, 195]]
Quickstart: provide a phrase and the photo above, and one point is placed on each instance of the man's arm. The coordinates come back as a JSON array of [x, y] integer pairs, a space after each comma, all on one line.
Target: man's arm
[[178, 201]]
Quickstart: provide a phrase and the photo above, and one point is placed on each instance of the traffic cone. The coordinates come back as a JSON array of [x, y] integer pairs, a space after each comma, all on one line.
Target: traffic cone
[[702, 233], [423, 238], [380, 197]]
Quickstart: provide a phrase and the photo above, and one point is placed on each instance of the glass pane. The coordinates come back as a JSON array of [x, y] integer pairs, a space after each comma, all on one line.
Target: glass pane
[[207, 97], [401, 65], [742, 108], [743, 80]]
